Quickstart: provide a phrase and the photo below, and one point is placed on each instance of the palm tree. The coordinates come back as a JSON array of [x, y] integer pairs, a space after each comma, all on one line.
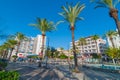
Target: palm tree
[[2, 51], [110, 35], [113, 12], [112, 53], [19, 37], [44, 26], [82, 42], [12, 44], [5, 47], [70, 14], [95, 38]]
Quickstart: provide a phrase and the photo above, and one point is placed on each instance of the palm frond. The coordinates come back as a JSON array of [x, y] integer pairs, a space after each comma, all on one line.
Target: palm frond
[[111, 33], [80, 18], [32, 24], [104, 3], [70, 13], [66, 11], [43, 25], [59, 23], [95, 37], [99, 6], [116, 2]]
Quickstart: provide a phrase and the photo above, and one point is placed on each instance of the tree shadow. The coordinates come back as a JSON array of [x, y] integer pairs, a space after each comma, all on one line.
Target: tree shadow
[[99, 75]]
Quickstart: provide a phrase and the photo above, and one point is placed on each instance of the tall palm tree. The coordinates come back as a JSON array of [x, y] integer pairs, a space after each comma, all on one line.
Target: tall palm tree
[[113, 12], [19, 37], [110, 35], [71, 15], [82, 42], [95, 38], [12, 44], [2, 48], [5, 47], [44, 26]]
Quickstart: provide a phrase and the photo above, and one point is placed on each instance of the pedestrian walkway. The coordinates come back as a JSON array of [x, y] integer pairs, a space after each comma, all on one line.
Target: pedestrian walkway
[[33, 72], [67, 71]]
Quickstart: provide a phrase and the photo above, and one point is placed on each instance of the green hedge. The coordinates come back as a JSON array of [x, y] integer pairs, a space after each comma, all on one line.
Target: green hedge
[[3, 64], [63, 56], [9, 75]]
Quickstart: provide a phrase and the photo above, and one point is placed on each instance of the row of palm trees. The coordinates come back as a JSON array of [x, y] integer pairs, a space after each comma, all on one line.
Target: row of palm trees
[[9, 45], [71, 15]]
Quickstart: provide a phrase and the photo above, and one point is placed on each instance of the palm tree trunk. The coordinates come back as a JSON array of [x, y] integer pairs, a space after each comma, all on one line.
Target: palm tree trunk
[[82, 48], [74, 50], [111, 39], [4, 54], [42, 50], [43, 40], [114, 63], [10, 53], [18, 48], [114, 14]]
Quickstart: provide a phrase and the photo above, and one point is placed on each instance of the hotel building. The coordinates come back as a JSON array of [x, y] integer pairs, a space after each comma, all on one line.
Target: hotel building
[[90, 46], [31, 46]]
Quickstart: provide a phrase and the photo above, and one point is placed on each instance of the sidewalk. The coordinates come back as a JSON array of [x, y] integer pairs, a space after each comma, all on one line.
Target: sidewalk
[[61, 70], [68, 73]]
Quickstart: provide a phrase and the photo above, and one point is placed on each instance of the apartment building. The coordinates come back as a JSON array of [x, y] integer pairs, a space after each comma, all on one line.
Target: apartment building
[[31, 46], [90, 46]]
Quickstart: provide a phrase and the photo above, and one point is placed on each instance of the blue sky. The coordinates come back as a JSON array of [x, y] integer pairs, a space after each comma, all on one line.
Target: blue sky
[[15, 15]]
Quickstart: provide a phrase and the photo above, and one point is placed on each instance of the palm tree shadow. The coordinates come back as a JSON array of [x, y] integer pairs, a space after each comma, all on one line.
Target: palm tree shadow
[[46, 74], [94, 76]]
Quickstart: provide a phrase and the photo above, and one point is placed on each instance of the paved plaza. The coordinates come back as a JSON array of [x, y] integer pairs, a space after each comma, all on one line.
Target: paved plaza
[[60, 72]]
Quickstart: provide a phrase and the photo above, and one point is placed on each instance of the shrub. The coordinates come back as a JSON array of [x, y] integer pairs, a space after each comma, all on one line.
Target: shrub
[[71, 57], [63, 56], [9, 75], [14, 56], [3, 64]]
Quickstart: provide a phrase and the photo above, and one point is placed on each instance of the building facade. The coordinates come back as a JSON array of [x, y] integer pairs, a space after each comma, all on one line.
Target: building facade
[[31, 46], [90, 46], [116, 41]]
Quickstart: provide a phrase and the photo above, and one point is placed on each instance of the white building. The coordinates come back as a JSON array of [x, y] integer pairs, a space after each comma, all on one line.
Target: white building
[[90, 46], [33, 45], [116, 41], [38, 44]]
